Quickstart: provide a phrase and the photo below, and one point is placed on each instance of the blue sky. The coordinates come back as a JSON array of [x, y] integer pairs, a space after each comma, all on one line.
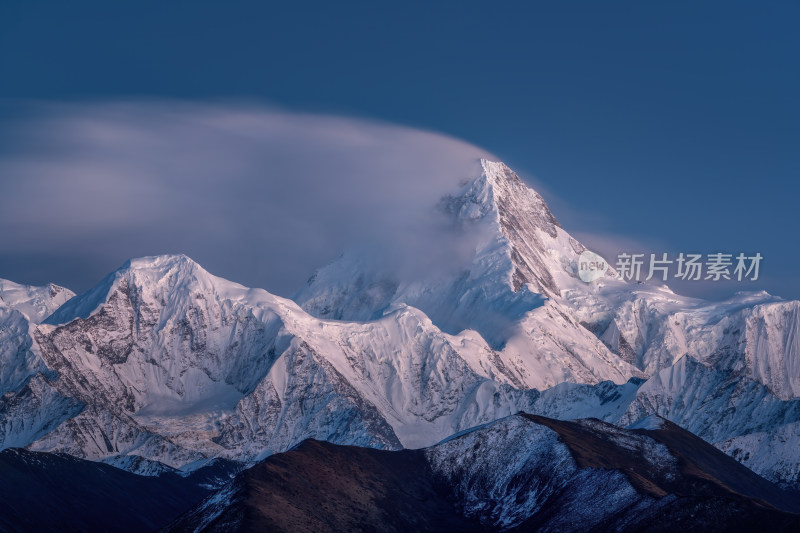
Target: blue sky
[[671, 125]]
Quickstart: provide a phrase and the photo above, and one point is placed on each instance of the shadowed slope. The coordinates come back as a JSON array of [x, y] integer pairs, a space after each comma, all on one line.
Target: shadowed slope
[[521, 473]]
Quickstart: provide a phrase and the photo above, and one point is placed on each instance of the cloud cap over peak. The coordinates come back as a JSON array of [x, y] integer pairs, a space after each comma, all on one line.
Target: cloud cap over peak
[[256, 195]]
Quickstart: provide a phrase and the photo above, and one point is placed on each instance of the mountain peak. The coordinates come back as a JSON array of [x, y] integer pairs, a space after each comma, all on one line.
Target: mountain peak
[[161, 276], [34, 302], [518, 257], [173, 267], [499, 192], [515, 198], [156, 260], [498, 172], [519, 216]]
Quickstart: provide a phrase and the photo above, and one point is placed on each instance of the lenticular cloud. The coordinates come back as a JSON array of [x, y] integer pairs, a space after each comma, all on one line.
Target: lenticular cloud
[[257, 195]]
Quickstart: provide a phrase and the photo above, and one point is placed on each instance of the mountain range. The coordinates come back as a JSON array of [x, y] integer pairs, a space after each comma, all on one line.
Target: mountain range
[[165, 369]]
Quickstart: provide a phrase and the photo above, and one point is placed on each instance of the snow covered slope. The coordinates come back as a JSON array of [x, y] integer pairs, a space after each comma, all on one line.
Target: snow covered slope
[[22, 306], [730, 410], [170, 363], [509, 292], [772, 453], [29, 405], [36, 303], [520, 289]]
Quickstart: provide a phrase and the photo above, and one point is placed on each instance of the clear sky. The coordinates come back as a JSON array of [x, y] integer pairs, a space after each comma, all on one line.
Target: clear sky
[[674, 126]]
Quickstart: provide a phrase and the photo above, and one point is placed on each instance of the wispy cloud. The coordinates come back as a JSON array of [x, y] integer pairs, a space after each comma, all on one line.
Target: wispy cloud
[[257, 195]]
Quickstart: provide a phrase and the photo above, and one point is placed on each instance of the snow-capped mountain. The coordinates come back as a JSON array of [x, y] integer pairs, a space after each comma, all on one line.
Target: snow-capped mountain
[[168, 363], [165, 361], [509, 292], [749, 340]]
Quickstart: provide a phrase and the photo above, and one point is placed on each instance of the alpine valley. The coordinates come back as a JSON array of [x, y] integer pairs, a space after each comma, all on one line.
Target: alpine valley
[[505, 394]]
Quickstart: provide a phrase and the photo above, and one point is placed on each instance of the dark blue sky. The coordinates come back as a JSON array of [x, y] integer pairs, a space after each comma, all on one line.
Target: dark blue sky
[[674, 124]]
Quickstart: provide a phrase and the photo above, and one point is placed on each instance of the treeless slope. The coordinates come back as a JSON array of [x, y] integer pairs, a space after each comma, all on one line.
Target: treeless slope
[[324, 487], [521, 473]]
